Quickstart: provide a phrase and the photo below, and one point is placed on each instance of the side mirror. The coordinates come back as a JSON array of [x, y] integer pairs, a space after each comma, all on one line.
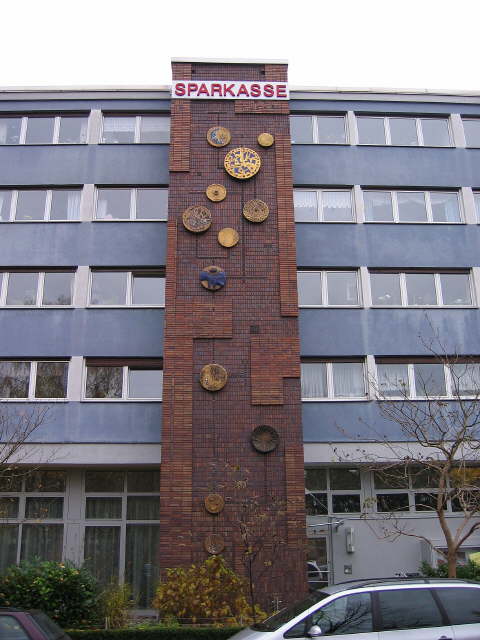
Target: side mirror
[[315, 631]]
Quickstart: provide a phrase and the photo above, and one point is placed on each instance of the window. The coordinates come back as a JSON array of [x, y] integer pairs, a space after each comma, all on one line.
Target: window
[[476, 197], [403, 131], [138, 381], [471, 126], [36, 289], [412, 206], [41, 129], [11, 629], [421, 289], [334, 490], [32, 380], [131, 288], [461, 604], [327, 288], [129, 129], [333, 380], [116, 203], [36, 205], [324, 205], [408, 609], [345, 615], [321, 129]]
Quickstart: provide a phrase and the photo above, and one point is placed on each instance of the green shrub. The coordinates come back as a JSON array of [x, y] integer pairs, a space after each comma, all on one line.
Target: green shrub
[[115, 603], [67, 594], [469, 571], [158, 633]]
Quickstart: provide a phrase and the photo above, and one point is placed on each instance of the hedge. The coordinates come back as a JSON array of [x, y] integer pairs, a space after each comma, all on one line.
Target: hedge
[[157, 633]]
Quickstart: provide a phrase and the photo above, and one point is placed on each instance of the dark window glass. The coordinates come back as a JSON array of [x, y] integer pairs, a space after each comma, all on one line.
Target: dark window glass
[[425, 501], [46, 481], [371, 130], [462, 604], [403, 131], [39, 130], [65, 204], [152, 204], [138, 481], [51, 380], [11, 629], [57, 289], [331, 129], [22, 289], [11, 480], [387, 502], [14, 379], [424, 478], [43, 508], [73, 129], [305, 205], [391, 479], [316, 503], [347, 614], [408, 609], [301, 129], [104, 481], [103, 508], [346, 503], [8, 545], [52, 631], [101, 552], [10, 130], [345, 479], [143, 508], [42, 541], [8, 508], [141, 561], [378, 206], [104, 382], [315, 479], [5, 204], [309, 288], [31, 205]]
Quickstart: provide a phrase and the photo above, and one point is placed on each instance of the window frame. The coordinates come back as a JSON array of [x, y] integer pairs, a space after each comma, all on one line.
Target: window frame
[[56, 128], [438, 289], [4, 282], [137, 130], [125, 382], [133, 203], [418, 125], [428, 206], [470, 119], [320, 214], [330, 492], [131, 274], [48, 204], [330, 397], [32, 380], [324, 289]]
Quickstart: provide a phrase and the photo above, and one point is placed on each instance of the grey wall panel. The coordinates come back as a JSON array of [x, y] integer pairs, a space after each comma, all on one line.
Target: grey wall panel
[[387, 245], [401, 332], [84, 164], [124, 244], [114, 422], [64, 106], [385, 166], [81, 332], [383, 107]]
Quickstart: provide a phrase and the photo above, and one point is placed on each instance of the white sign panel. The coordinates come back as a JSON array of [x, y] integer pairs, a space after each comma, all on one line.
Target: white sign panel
[[224, 90]]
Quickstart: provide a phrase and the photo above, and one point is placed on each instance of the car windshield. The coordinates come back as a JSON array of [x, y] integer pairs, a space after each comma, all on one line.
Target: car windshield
[[282, 617], [50, 629]]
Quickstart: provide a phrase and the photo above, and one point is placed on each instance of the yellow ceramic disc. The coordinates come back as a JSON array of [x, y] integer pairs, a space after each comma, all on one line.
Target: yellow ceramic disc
[[265, 139], [218, 136], [255, 210], [216, 192], [228, 237], [213, 377], [242, 163]]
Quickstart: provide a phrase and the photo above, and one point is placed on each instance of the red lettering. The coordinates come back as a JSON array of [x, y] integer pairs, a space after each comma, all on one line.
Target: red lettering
[[268, 91], [255, 90], [202, 90], [179, 89], [191, 88], [242, 91], [228, 89], [281, 90], [216, 89]]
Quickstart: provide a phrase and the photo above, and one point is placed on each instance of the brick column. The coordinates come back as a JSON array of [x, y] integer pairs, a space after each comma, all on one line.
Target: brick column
[[250, 327]]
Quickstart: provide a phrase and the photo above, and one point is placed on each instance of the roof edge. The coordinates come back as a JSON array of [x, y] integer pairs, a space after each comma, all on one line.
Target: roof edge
[[231, 60]]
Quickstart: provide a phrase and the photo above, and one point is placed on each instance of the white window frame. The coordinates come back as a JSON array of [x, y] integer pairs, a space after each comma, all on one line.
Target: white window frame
[[476, 199], [133, 204], [129, 290], [4, 279], [330, 493], [469, 118], [137, 130], [125, 384], [33, 379], [428, 206], [319, 194], [48, 204], [388, 136], [56, 128], [438, 289], [314, 124], [330, 397], [324, 289]]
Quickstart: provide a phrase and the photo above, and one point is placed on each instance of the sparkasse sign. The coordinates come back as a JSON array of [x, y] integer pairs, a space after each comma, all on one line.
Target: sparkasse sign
[[224, 90]]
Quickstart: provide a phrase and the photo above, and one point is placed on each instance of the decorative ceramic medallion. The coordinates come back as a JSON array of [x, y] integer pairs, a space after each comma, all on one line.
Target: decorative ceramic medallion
[[216, 192], [255, 210], [228, 237], [197, 219], [265, 139], [213, 278], [242, 163], [264, 439], [218, 136], [214, 544], [213, 377], [214, 503]]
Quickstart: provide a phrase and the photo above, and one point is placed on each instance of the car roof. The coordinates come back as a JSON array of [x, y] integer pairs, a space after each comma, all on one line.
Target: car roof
[[393, 582]]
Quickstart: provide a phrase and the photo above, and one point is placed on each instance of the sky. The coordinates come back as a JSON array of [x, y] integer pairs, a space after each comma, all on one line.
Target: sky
[[422, 44]]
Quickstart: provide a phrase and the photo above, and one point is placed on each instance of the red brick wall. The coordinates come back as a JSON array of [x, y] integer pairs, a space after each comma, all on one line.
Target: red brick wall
[[250, 327]]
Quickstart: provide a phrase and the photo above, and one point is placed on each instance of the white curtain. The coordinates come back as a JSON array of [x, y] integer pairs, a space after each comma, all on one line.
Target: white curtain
[[337, 206], [8, 545], [314, 380], [348, 379], [73, 205], [5, 200]]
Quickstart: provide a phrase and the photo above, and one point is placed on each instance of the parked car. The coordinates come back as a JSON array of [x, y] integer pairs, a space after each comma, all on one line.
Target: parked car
[[379, 609], [16, 624]]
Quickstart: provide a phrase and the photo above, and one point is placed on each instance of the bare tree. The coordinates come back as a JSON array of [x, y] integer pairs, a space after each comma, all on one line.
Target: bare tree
[[439, 449]]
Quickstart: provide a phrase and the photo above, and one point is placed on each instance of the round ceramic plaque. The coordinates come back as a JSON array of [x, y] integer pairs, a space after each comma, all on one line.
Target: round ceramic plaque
[[213, 278], [242, 163], [214, 544], [213, 377], [216, 192], [228, 237], [255, 210], [218, 136], [197, 219], [264, 439], [265, 139], [214, 503]]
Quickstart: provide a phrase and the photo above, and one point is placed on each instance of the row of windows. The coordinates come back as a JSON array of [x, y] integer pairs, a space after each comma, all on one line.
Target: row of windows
[[63, 204], [106, 288], [387, 288], [385, 205], [36, 379], [388, 378], [73, 129], [395, 130]]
